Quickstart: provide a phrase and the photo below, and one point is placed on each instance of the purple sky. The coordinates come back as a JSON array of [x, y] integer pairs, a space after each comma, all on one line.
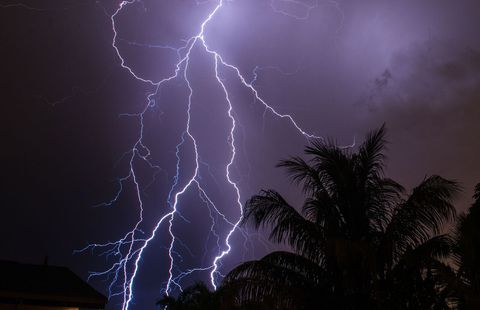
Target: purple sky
[[346, 69]]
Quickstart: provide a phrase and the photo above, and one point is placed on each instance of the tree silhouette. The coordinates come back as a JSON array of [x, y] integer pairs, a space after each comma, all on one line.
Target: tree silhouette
[[467, 254], [194, 297], [359, 242]]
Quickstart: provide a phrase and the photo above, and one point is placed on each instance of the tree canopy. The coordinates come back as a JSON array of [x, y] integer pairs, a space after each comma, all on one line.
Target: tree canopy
[[360, 240]]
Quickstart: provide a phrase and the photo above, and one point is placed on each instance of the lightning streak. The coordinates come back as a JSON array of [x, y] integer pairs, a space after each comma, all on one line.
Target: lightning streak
[[129, 249]]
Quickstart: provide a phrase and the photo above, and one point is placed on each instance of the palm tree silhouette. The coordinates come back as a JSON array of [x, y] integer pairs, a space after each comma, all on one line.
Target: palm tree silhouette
[[194, 297], [359, 242], [467, 255]]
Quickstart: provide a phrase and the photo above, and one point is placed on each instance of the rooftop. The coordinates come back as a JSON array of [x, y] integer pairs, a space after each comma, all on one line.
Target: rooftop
[[46, 285]]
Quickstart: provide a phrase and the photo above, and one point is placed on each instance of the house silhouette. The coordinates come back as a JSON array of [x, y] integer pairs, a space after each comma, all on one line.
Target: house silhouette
[[44, 287]]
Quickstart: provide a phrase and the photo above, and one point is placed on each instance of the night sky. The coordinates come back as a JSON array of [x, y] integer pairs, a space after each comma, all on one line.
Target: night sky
[[71, 116]]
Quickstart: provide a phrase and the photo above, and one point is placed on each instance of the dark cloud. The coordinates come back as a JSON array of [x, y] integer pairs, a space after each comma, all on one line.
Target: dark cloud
[[430, 101]]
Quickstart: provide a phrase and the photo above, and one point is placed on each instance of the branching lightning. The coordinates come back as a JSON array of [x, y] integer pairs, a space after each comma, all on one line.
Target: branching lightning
[[128, 250], [131, 246]]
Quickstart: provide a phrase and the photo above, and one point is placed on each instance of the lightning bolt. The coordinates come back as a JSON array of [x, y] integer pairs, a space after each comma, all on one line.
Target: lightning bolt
[[128, 250]]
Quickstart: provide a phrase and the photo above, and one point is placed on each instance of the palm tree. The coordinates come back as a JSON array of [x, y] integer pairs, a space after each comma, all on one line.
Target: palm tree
[[359, 241], [467, 254], [194, 297]]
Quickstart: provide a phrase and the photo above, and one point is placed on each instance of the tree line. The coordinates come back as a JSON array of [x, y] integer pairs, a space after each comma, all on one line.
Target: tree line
[[360, 241]]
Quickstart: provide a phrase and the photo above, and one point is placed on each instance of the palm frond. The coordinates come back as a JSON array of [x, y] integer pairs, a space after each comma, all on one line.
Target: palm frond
[[287, 225], [435, 248], [370, 154], [382, 196], [476, 195], [331, 162], [423, 214], [337, 174], [324, 212], [267, 208], [301, 172], [282, 280], [310, 270], [265, 282]]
